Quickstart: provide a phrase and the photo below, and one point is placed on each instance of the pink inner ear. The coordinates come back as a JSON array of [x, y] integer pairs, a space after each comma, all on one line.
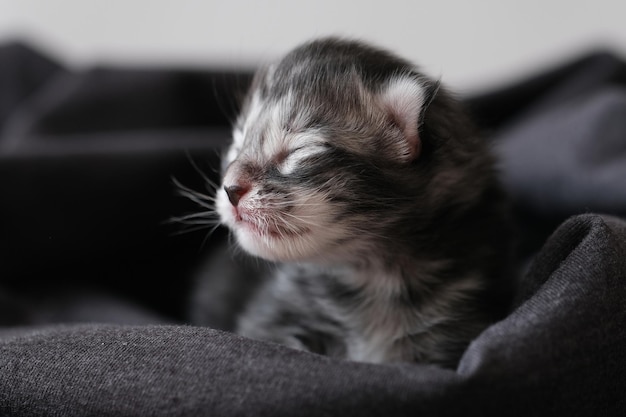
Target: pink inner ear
[[403, 98], [410, 132]]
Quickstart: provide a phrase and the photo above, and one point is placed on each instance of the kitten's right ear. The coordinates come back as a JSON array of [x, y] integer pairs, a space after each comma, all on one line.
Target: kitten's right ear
[[405, 98]]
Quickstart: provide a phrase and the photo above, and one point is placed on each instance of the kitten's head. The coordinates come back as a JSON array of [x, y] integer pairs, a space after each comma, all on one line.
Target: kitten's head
[[325, 159]]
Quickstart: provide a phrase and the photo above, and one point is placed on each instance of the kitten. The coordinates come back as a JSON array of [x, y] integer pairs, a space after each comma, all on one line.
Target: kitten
[[366, 184]]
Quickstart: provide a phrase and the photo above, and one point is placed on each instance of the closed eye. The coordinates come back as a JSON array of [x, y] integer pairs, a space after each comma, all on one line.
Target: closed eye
[[289, 161]]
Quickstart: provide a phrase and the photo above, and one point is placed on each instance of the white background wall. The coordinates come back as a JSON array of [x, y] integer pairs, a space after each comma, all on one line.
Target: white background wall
[[469, 43]]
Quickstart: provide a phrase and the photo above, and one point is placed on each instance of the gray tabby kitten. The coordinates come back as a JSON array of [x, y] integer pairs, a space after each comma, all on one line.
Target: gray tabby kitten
[[366, 184]]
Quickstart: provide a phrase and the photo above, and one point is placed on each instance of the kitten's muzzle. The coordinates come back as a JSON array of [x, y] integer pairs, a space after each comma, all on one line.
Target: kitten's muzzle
[[234, 193]]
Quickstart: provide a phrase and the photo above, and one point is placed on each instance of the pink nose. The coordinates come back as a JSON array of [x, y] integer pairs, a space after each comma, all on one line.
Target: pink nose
[[234, 193]]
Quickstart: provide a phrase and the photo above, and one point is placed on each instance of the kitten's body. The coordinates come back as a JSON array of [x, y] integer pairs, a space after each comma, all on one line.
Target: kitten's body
[[366, 184]]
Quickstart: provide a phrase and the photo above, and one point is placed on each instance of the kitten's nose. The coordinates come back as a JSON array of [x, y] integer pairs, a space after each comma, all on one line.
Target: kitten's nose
[[234, 193]]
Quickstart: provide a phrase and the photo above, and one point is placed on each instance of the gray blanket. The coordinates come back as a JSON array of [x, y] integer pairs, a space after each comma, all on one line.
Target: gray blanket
[[98, 311]]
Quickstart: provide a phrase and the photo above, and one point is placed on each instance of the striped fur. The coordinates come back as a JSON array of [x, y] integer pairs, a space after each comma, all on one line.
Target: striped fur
[[365, 184]]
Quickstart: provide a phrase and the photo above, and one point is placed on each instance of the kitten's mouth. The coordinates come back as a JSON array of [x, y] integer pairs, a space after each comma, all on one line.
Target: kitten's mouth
[[275, 231]]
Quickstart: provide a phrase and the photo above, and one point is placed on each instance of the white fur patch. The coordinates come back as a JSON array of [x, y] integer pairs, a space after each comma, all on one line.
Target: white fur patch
[[254, 111], [297, 155], [235, 147]]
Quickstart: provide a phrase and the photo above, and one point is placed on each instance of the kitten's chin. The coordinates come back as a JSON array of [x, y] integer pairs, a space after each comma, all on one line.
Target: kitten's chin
[[272, 246]]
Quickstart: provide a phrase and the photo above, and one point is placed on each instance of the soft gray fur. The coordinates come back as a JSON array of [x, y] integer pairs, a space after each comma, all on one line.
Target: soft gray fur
[[366, 185]]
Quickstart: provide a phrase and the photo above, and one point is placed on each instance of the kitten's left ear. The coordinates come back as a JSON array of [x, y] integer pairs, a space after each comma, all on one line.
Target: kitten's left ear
[[404, 99]]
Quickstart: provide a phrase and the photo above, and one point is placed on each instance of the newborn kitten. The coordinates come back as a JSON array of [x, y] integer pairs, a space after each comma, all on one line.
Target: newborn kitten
[[367, 185]]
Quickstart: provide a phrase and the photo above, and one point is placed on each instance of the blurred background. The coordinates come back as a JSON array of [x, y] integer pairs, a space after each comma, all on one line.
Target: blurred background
[[471, 44]]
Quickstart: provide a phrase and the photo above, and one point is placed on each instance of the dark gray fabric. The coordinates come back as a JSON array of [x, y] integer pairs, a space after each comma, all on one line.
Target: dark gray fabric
[[95, 290], [560, 352]]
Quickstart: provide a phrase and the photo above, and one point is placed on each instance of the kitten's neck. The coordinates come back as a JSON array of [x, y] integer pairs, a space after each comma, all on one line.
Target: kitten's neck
[[384, 302], [397, 265]]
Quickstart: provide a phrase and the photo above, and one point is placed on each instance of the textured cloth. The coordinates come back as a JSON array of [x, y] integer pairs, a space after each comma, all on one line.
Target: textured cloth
[[97, 291]]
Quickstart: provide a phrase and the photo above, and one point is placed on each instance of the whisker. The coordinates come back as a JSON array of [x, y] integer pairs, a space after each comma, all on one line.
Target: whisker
[[194, 229], [203, 220], [199, 201], [303, 219], [200, 172], [278, 204], [207, 215], [185, 191], [317, 225], [210, 222], [208, 235]]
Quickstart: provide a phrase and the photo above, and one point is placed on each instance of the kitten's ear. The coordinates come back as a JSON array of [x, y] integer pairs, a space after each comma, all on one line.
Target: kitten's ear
[[404, 99]]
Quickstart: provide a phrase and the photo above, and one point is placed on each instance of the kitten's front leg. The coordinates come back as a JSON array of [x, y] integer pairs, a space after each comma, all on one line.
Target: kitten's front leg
[[282, 312], [273, 319]]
